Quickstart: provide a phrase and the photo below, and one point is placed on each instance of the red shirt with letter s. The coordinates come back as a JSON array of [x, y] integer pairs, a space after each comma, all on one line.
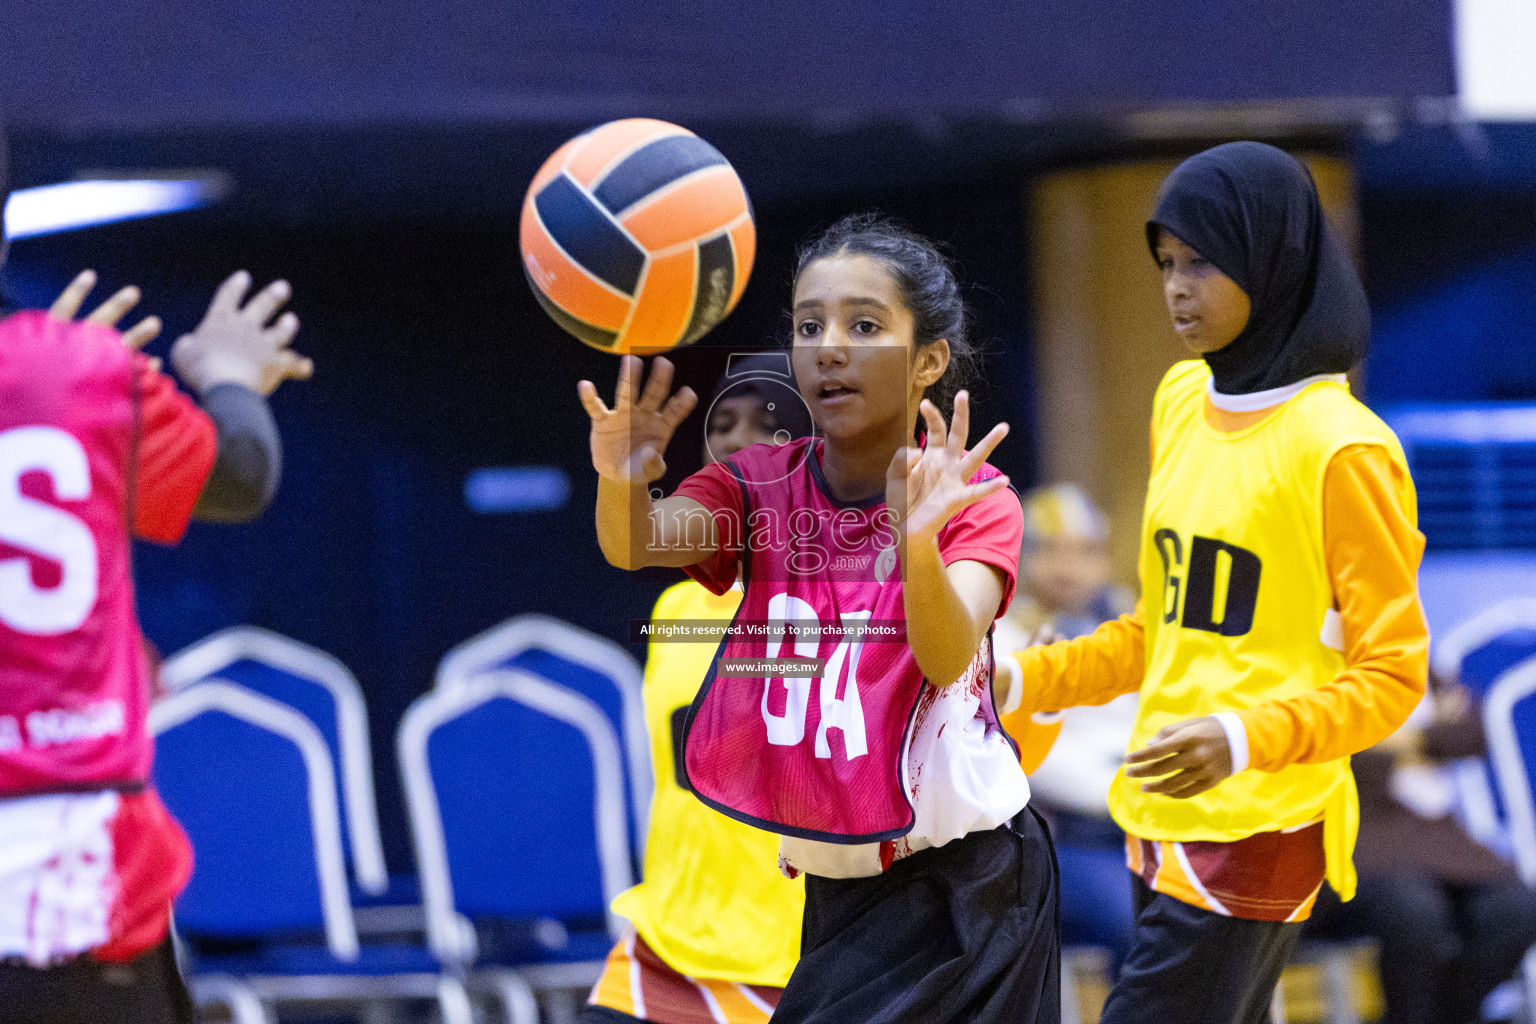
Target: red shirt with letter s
[[96, 447]]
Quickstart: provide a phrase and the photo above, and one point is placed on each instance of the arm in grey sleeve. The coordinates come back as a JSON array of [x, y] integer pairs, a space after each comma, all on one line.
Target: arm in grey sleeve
[[250, 459]]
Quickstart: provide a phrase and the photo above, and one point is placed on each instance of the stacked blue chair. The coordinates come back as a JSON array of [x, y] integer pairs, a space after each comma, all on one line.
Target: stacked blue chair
[[239, 1002], [1476, 653], [1509, 720], [516, 798], [322, 689], [1483, 647], [584, 662], [252, 782]]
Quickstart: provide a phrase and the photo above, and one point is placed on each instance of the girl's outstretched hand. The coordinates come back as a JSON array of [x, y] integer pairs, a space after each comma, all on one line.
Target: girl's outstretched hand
[[927, 486], [243, 339], [1193, 754], [630, 440], [68, 304]]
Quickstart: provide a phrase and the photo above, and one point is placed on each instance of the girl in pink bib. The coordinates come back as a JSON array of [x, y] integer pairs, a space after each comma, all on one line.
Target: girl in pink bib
[[850, 707]]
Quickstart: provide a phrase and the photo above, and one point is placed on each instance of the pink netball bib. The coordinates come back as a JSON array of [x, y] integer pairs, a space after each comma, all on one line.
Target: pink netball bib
[[815, 756]]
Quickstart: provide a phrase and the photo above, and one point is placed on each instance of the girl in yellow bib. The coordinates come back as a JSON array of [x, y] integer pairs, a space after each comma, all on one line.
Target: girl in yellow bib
[[715, 926], [1279, 629]]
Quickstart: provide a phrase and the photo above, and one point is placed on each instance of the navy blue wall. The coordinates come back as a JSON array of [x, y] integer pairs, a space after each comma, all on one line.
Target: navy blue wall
[[175, 63], [1449, 247]]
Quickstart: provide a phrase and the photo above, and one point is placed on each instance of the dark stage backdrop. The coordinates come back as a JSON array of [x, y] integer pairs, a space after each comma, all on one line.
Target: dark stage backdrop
[[432, 359], [1449, 247], [180, 63]]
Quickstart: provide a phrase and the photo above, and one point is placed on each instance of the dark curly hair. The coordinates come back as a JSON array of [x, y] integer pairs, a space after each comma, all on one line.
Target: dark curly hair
[[927, 284]]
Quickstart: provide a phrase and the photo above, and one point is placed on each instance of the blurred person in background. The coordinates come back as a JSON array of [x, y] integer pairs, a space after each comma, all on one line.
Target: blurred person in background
[[1452, 917], [1064, 575], [98, 447], [1065, 592], [716, 926]]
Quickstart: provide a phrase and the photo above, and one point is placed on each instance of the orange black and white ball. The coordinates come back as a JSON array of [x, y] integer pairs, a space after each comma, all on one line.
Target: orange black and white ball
[[637, 236]]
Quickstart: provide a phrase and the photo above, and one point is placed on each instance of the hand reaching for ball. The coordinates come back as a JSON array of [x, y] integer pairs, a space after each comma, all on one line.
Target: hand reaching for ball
[[629, 441], [929, 486]]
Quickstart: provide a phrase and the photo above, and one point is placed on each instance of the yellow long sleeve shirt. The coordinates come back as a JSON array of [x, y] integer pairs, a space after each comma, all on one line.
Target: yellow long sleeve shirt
[[1373, 551]]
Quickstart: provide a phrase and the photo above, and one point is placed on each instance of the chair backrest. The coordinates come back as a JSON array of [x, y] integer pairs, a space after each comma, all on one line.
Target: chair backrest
[[1509, 719], [515, 793], [1479, 806], [321, 688], [251, 781], [1477, 652], [592, 665], [1480, 649]]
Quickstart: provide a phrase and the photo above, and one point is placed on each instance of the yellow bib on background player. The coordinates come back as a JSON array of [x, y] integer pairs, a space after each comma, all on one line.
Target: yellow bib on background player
[[1237, 591], [713, 904]]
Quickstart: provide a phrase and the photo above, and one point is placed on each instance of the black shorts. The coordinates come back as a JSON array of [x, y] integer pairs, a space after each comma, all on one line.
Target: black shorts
[[966, 932], [146, 990], [1194, 966]]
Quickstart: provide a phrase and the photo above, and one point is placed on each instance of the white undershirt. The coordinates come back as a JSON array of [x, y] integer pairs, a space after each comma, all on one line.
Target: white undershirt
[[1256, 400], [962, 776]]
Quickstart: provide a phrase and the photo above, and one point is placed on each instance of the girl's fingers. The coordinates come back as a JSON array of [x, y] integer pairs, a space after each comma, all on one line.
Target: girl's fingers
[[960, 423], [72, 297], [113, 310], [1167, 787], [297, 367], [1160, 747], [282, 332], [678, 407], [267, 302], [1154, 769], [227, 298], [983, 450], [659, 386], [587, 392], [937, 434], [987, 487], [903, 462], [628, 391], [143, 332], [977, 492], [1181, 786], [652, 465], [1166, 742]]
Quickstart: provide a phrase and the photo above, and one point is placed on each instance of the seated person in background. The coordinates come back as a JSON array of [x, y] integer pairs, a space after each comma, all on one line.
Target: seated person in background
[[1065, 591], [716, 926], [1452, 917]]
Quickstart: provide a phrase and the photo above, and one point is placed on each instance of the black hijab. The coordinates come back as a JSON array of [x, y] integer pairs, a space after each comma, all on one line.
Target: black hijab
[[769, 376], [1253, 211]]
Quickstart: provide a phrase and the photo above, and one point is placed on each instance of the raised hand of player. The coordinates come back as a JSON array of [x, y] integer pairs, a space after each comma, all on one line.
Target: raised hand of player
[[629, 441], [67, 306], [242, 345], [1193, 754], [926, 487]]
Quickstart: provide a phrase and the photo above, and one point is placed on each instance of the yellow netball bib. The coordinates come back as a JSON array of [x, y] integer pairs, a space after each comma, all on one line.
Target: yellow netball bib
[[713, 903], [1236, 589]]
